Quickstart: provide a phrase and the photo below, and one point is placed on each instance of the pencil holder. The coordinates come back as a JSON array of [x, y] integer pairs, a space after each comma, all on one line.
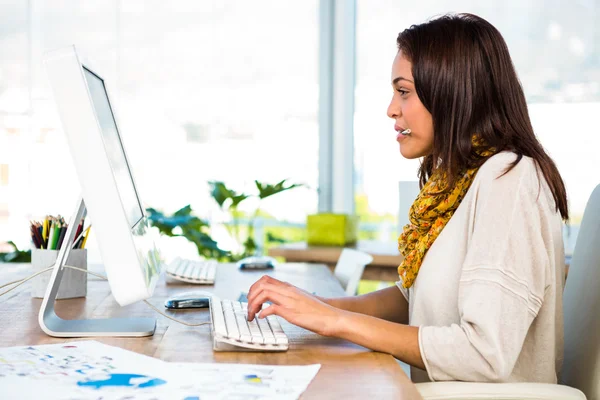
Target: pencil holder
[[73, 282]]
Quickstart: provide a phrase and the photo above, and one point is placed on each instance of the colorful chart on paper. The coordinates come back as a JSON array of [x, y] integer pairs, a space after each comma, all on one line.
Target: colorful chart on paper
[[92, 370]]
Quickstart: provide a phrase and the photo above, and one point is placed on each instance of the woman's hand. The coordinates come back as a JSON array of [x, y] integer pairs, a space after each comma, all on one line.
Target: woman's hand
[[292, 304]]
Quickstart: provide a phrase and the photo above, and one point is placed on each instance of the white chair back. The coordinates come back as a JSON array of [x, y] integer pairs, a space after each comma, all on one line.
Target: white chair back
[[581, 305], [350, 267]]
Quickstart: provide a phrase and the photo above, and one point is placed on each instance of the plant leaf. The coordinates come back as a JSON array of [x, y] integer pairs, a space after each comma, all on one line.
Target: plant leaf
[[187, 210], [166, 224], [249, 247], [236, 200], [220, 192], [274, 239], [266, 189]]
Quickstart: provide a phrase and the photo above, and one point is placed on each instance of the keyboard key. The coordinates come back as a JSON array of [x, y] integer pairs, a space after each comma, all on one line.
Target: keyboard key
[[266, 331], [198, 271], [255, 332], [227, 304], [245, 335], [212, 271], [219, 326], [175, 265], [232, 327], [184, 270], [280, 336]]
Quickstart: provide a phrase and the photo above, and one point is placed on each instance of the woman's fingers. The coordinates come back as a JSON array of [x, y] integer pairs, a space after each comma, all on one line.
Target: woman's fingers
[[255, 288], [275, 309], [272, 285], [265, 295]]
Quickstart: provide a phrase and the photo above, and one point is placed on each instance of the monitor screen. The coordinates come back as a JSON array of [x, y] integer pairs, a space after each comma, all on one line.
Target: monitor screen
[[114, 149]]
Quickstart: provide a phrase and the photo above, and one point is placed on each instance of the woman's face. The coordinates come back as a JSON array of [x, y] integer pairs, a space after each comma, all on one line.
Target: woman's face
[[409, 113]]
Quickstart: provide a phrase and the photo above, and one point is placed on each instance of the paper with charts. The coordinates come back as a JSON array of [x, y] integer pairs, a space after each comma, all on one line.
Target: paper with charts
[[92, 370]]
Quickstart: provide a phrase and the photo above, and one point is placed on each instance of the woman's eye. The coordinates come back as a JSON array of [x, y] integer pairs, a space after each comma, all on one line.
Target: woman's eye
[[402, 92]]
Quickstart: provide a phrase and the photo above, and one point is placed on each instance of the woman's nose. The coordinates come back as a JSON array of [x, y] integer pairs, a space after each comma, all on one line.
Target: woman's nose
[[393, 110]]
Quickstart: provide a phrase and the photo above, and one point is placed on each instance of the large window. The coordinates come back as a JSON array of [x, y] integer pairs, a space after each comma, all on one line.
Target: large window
[[14, 113], [555, 47], [203, 90], [228, 90]]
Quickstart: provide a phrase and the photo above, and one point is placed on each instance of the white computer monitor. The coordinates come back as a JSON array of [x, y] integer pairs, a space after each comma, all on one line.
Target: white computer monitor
[[109, 197]]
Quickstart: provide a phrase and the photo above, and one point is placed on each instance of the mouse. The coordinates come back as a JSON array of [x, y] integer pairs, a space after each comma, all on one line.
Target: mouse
[[193, 299], [257, 262]]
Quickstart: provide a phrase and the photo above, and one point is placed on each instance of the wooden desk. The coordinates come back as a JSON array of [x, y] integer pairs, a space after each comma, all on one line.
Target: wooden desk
[[384, 267], [347, 370]]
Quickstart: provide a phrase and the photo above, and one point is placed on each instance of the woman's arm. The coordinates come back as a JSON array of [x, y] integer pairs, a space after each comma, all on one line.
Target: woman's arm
[[401, 341], [302, 309], [388, 304]]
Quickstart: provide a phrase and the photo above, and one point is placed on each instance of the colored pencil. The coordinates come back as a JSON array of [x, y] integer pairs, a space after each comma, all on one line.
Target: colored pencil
[[63, 230], [78, 232], [55, 235], [45, 231], [85, 237], [34, 238], [50, 236]]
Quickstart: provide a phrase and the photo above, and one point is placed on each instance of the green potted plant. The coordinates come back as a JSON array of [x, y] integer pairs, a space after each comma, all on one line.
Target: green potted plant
[[196, 230]]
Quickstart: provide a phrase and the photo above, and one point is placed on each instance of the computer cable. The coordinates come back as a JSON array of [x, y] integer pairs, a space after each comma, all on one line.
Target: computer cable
[[145, 301], [22, 281]]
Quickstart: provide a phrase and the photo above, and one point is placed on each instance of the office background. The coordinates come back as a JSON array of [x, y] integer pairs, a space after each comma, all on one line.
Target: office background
[[235, 91]]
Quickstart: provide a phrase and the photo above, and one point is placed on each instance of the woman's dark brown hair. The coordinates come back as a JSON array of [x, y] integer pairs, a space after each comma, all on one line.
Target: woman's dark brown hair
[[465, 78]]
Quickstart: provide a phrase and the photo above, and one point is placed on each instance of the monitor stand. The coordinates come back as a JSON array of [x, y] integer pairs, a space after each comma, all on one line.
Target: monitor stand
[[53, 325]]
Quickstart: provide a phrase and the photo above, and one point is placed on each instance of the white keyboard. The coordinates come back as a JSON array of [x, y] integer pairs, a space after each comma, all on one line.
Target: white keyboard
[[200, 272], [232, 332]]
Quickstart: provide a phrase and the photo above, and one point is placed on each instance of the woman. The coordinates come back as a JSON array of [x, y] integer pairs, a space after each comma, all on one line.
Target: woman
[[480, 290]]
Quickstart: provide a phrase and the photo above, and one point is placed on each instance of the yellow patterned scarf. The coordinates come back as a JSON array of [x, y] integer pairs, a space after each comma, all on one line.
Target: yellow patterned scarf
[[428, 216]]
